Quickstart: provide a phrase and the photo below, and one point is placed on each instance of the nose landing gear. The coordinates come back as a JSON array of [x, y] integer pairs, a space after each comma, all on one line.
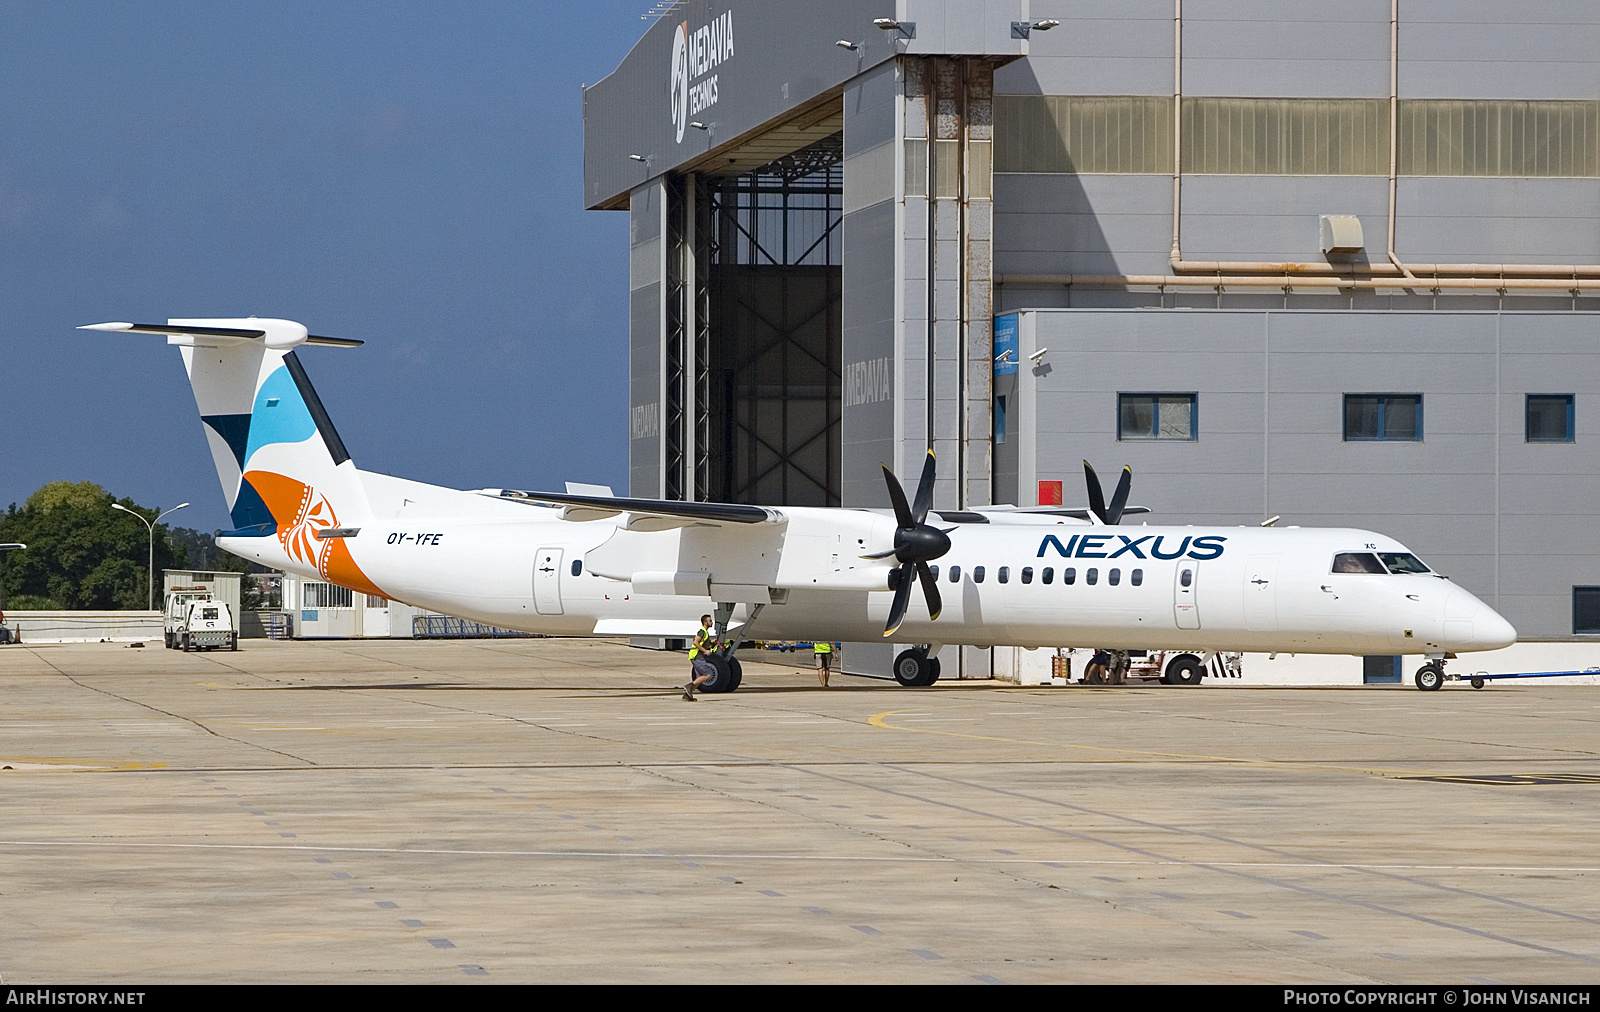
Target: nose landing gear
[[1430, 677]]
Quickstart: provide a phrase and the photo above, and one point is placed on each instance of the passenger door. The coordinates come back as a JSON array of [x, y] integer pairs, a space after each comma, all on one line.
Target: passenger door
[[1185, 605]]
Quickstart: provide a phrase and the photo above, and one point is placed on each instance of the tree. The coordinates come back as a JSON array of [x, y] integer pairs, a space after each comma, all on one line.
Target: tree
[[81, 553]]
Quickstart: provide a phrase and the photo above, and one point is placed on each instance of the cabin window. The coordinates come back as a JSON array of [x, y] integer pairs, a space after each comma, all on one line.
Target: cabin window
[[1091, 576], [1048, 576], [955, 574], [577, 567], [933, 571], [1357, 562], [1069, 576], [1003, 574], [1186, 578], [977, 574], [1136, 578], [1027, 574], [1114, 577]]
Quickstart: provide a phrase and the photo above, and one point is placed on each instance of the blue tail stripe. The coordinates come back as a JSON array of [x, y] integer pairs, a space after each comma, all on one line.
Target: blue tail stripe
[[234, 430]]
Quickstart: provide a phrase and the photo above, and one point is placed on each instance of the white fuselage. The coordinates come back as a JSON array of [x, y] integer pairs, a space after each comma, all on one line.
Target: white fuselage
[[1024, 580]]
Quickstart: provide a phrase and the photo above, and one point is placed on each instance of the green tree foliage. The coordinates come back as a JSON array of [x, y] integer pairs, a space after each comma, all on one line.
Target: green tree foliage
[[200, 553], [81, 554]]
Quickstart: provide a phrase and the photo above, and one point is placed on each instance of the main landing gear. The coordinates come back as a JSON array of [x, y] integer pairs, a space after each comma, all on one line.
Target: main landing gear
[[729, 672], [914, 668]]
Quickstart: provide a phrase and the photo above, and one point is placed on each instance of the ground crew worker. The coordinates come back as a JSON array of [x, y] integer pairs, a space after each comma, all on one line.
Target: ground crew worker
[[824, 652], [700, 667]]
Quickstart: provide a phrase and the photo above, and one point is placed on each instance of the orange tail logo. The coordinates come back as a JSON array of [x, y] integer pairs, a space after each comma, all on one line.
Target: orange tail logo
[[301, 511]]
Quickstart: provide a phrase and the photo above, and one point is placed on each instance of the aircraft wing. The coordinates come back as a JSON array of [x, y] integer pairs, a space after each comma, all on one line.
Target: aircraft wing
[[646, 514]]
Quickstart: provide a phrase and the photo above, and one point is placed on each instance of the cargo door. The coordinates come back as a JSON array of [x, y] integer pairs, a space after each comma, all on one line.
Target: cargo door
[[1185, 604], [547, 581]]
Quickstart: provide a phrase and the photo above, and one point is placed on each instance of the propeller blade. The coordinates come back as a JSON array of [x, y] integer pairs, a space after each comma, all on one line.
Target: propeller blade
[[897, 497], [1097, 499], [930, 590], [919, 512], [882, 555], [1119, 498], [902, 597]]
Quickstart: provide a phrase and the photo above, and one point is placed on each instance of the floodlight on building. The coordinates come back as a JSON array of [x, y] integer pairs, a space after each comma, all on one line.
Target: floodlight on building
[[847, 44], [1022, 29], [698, 125], [887, 24], [641, 158], [1038, 356]]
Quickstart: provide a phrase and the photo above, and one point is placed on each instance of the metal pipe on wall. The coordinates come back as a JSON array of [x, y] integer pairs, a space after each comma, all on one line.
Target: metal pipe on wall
[[1572, 285]]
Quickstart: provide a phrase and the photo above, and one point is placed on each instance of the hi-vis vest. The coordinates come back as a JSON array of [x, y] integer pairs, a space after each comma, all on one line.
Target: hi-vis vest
[[705, 640], [822, 648]]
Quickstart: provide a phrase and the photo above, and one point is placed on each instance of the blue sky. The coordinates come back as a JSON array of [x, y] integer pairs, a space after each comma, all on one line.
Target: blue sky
[[404, 173]]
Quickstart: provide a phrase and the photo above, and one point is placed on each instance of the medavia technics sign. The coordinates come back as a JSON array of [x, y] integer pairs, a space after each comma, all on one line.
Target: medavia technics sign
[[693, 86]]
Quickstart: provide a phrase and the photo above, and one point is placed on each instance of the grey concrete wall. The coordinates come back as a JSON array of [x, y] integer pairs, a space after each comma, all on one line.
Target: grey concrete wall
[[1510, 520], [646, 284], [868, 313]]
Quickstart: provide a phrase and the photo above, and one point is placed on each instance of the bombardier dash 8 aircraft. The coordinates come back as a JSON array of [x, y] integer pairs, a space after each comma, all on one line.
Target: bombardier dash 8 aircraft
[[590, 564]]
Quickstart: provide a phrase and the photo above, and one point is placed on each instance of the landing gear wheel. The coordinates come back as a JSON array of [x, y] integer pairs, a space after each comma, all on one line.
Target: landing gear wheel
[[1477, 683], [1430, 677], [728, 674], [914, 669], [1184, 669]]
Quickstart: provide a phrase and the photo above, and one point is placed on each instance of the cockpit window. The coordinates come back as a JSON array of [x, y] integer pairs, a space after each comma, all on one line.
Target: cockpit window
[[1402, 562], [1357, 562]]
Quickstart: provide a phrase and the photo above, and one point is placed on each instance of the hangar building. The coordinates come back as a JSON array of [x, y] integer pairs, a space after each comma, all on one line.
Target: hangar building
[[1338, 263]]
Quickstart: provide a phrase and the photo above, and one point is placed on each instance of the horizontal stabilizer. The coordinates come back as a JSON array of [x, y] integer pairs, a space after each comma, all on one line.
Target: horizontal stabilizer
[[234, 333]]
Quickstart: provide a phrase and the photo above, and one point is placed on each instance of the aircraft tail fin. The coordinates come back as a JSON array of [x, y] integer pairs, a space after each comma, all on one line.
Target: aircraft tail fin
[[285, 472]]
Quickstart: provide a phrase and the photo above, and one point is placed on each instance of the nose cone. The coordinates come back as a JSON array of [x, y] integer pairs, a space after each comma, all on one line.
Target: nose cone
[[1490, 631], [1472, 625]]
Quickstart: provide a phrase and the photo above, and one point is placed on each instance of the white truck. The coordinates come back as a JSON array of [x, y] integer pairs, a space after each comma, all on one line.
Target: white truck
[[203, 624]]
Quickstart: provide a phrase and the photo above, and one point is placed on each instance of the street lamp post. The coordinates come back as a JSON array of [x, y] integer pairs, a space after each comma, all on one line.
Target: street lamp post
[[6, 547], [150, 585]]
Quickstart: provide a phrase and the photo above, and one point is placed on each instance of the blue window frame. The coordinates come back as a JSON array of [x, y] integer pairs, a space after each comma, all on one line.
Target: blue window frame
[[1383, 417], [1158, 416], [1549, 418]]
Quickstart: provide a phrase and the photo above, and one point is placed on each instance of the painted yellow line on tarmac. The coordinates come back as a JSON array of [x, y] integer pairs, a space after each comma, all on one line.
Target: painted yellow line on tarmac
[[880, 720], [35, 763]]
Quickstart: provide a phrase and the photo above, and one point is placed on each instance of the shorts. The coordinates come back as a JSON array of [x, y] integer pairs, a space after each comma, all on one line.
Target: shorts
[[702, 668]]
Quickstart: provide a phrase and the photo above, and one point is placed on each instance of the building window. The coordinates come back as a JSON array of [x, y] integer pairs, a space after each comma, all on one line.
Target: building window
[[1396, 417], [1586, 609], [326, 595], [1157, 416], [1550, 418]]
